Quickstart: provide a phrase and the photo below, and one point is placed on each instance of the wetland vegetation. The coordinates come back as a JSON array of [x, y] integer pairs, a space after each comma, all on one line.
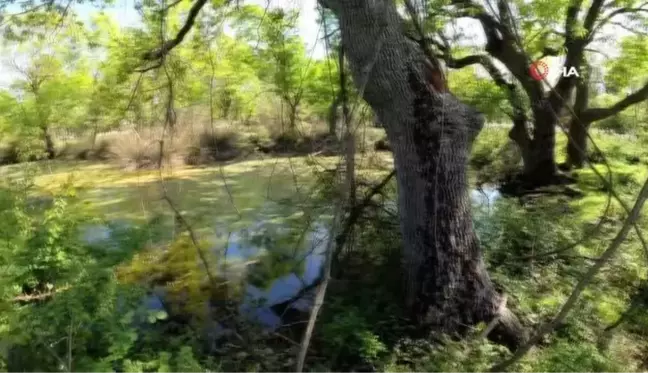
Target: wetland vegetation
[[229, 202]]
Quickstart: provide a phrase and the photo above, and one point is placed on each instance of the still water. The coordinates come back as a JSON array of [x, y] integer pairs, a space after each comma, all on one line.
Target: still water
[[259, 299]]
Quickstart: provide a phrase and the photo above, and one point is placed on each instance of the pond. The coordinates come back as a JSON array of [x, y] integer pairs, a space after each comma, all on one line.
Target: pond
[[246, 245]]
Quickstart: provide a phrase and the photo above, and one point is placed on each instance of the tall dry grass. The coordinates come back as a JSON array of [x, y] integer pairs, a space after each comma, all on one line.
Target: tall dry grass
[[197, 139]]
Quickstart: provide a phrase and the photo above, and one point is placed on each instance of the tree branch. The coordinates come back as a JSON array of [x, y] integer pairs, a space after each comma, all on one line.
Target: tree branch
[[571, 18], [628, 28], [592, 15], [459, 63], [519, 132], [502, 44], [620, 11], [575, 48], [595, 114], [478, 12], [39, 296], [170, 44], [582, 284]]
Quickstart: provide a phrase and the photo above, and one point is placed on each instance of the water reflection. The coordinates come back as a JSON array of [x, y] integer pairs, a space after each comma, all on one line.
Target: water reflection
[[245, 245]]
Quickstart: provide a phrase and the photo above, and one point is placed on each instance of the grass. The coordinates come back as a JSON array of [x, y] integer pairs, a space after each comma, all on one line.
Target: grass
[[236, 195]]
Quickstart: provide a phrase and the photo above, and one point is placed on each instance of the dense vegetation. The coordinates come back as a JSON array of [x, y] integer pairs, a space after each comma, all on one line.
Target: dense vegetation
[[184, 194]]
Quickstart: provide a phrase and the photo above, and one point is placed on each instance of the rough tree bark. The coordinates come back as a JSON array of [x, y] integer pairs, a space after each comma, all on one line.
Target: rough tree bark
[[447, 286], [577, 144], [578, 127]]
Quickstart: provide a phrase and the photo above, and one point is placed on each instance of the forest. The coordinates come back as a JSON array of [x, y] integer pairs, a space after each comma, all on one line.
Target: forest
[[323, 185]]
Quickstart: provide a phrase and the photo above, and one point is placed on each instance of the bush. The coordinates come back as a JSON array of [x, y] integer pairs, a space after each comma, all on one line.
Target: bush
[[10, 154], [17, 152], [510, 232], [221, 144], [303, 143], [135, 151], [494, 156]]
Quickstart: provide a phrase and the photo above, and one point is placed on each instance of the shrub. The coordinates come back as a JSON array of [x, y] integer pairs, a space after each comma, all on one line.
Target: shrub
[[494, 156], [27, 150], [220, 144], [303, 143], [10, 154], [510, 232], [349, 336], [567, 356], [135, 151]]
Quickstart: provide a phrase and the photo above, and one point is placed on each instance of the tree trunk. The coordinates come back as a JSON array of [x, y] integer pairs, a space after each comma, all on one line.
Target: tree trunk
[[349, 135], [447, 286], [578, 126], [537, 151], [292, 116], [577, 144], [333, 115], [95, 129], [49, 144], [540, 166]]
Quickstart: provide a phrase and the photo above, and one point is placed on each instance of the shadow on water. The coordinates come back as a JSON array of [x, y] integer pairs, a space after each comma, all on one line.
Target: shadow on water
[[265, 246]]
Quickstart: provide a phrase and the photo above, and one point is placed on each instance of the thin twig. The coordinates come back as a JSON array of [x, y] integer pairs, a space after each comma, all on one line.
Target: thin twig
[[321, 291], [169, 122], [319, 299], [582, 284]]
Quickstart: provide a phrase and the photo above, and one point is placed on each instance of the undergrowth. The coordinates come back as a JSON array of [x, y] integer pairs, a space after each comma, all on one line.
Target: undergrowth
[[67, 304]]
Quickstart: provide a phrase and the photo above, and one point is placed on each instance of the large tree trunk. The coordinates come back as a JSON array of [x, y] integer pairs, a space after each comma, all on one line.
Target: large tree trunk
[[577, 144], [540, 166], [447, 286], [538, 151], [578, 126]]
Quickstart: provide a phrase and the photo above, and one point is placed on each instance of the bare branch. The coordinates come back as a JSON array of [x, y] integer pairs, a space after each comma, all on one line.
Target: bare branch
[[619, 11], [326, 271], [582, 284], [628, 28], [170, 44], [595, 114], [478, 12]]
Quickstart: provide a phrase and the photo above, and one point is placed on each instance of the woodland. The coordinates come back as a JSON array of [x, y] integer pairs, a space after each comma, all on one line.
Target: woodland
[[212, 188]]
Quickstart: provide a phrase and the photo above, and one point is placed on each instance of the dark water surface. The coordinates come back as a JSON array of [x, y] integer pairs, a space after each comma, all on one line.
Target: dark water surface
[[259, 299]]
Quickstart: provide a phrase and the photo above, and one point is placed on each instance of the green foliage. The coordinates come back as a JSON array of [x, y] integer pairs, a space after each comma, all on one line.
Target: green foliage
[[566, 356], [66, 304], [349, 334], [480, 92], [629, 121], [493, 156], [52, 287], [628, 69], [510, 232], [471, 355]]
